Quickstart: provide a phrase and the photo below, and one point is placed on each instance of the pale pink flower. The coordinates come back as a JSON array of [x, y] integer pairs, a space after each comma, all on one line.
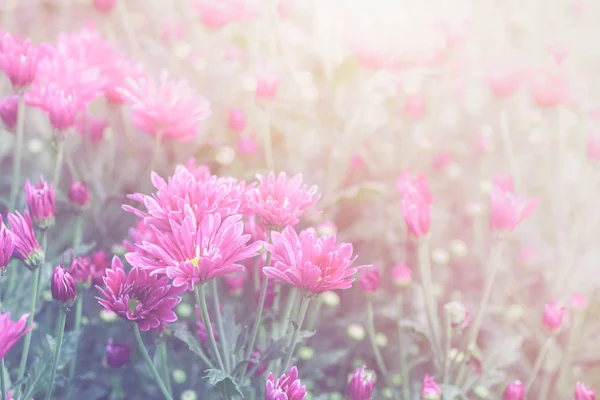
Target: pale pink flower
[[442, 160], [237, 119], [247, 145], [504, 82], [172, 30], [168, 108], [414, 106], [578, 301], [197, 251], [27, 248], [9, 108], [593, 146], [311, 263], [19, 60], [430, 389], [104, 6], [401, 275], [504, 182], [62, 107], [267, 83], [583, 392], [146, 300], [91, 127], [549, 89], [514, 391], [7, 246], [370, 280], [218, 13], [280, 202], [11, 332], [553, 315], [509, 210], [416, 202]]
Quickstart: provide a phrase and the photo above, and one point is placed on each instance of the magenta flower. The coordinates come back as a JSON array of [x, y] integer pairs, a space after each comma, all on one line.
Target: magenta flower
[[117, 354], [370, 280], [255, 356], [583, 392], [27, 248], [7, 246], [196, 252], [90, 127], [40, 202], [430, 389], [237, 119], [361, 385], [416, 202], [311, 263], [146, 300], [508, 210], [19, 60], [168, 108], [401, 275], [105, 6], [279, 202], [287, 387], [553, 315], [82, 270], [63, 287], [514, 391], [62, 106], [9, 108], [11, 332], [79, 195]]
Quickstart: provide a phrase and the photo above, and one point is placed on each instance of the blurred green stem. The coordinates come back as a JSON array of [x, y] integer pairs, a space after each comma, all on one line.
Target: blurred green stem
[[60, 150], [222, 337], [429, 297], [371, 334], [149, 363], [164, 363], [27, 343], [200, 295], [16, 178], [292, 346], [291, 301], [31, 388], [76, 328], [59, 340], [538, 362], [156, 149], [2, 380], [447, 343], [404, 371]]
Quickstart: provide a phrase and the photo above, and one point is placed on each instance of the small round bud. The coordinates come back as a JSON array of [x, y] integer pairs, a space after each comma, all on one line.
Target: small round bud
[[381, 340], [117, 354], [108, 316], [179, 376], [184, 310], [356, 332], [79, 195], [330, 299], [189, 395], [306, 353]]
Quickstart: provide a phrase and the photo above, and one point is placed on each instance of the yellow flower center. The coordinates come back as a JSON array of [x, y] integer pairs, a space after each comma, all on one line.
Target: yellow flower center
[[195, 261]]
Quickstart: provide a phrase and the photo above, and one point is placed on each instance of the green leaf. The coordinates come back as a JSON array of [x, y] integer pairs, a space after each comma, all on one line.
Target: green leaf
[[181, 333], [241, 339], [224, 382], [277, 349]]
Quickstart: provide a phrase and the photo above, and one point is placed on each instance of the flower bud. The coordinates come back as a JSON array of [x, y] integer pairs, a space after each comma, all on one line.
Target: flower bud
[[514, 391], [356, 332], [401, 275], [237, 120], [370, 280], [8, 111], [63, 287], [79, 195], [117, 354], [430, 389], [40, 202], [361, 384], [7, 246], [553, 315], [105, 6], [583, 392]]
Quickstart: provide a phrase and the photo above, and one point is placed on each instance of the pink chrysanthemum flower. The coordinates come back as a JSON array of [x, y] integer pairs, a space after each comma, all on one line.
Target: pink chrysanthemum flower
[[218, 13], [41, 203], [430, 389], [200, 172], [11, 332], [9, 108], [583, 392], [309, 262], [514, 391], [416, 202], [280, 202], [197, 251], [89, 270], [7, 246], [167, 108], [138, 234], [361, 384], [27, 248], [509, 210], [146, 300], [288, 386], [19, 60], [553, 315], [370, 280]]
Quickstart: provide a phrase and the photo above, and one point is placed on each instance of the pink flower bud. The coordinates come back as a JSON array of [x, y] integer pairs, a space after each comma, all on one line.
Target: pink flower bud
[[117, 354], [504, 182], [549, 89], [361, 385], [583, 392], [247, 145], [401, 275], [9, 108], [105, 6], [237, 119], [7, 246], [79, 195], [514, 391], [19, 60], [267, 83], [63, 287], [509, 210], [442, 160], [40, 202], [553, 315], [578, 302], [416, 202], [415, 106], [370, 280], [593, 146], [430, 389], [504, 83]]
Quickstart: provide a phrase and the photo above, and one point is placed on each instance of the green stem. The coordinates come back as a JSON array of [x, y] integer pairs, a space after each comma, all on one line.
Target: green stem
[[261, 305], [78, 230], [292, 347], [61, 332], [447, 343], [220, 326], [156, 149], [291, 302], [404, 371], [77, 327], [2, 379], [149, 363], [33, 385], [27, 343], [164, 364], [371, 334], [16, 178], [538, 363], [200, 295], [429, 297], [44, 249], [59, 161]]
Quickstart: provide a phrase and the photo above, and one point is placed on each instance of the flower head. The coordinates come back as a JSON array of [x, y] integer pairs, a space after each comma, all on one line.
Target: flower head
[[105, 6], [255, 356], [309, 262], [82, 270], [9, 108], [40, 202], [218, 13], [553, 315], [549, 89], [63, 287], [514, 391], [361, 385], [7, 246], [509, 210], [235, 282], [280, 202], [416, 202], [267, 83], [401, 275], [288, 386], [117, 354], [146, 300], [62, 106], [583, 392], [503, 83], [79, 195], [167, 108], [11, 332], [370, 280], [27, 248], [430, 389], [237, 119], [19, 60]]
